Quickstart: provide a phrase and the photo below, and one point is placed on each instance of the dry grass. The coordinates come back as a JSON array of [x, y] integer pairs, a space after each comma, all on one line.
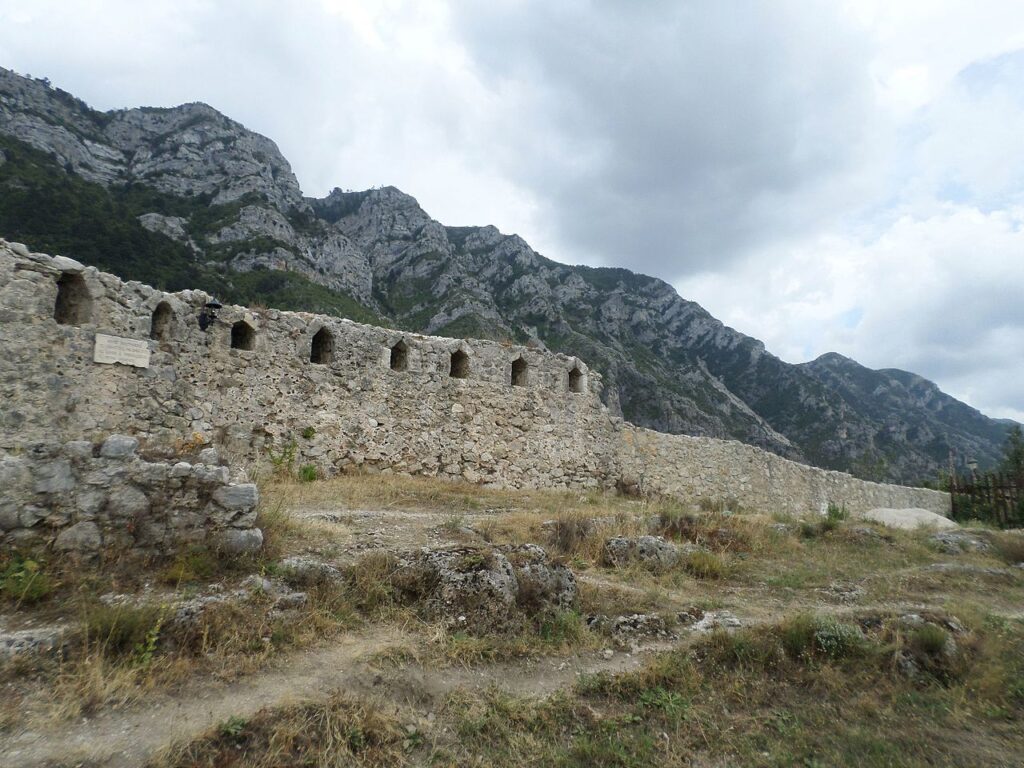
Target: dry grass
[[808, 691], [362, 491], [340, 732], [1009, 547], [812, 691]]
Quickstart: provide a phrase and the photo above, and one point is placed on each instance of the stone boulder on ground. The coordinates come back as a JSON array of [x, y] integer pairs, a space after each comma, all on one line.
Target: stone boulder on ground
[[909, 519], [481, 588], [652, 552], [955, 542]]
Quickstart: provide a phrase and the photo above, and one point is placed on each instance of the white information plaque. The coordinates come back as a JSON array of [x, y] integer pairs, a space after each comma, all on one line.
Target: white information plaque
[[114, 349]]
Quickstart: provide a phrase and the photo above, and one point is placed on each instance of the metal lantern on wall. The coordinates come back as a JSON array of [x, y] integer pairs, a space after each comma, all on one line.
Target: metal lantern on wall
[[208, 314]]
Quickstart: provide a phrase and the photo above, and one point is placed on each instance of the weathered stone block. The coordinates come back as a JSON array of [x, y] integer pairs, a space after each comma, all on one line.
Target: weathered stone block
[[54, 477], [237, 497], [82, 538], [78, 449], [236, 541], [127, 501], [119, 447]]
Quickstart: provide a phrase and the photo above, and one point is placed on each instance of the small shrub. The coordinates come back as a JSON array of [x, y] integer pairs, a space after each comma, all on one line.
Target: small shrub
[[797, 635], [371, 581], [454, 523], [571, 532], [928, 640], [308, 433], [675, 523], [671, 704], [233, 726], [837, 640], [120, 630], [195, 564], [747, 648], [836, 512], [704, 565], [23, 581], [1010, 547], [308, 473], [828, 525], [283, 460], [562, 628], [805, 636]]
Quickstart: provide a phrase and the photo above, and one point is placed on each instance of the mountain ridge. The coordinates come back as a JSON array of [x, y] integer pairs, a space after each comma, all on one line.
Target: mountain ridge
[[234, 217]]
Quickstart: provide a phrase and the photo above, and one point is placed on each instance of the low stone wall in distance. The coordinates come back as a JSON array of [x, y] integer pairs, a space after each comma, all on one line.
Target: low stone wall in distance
[[83, 499], [745, 477]]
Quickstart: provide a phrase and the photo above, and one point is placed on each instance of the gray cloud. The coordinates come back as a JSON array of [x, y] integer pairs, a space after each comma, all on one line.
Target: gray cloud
[[669, 137]]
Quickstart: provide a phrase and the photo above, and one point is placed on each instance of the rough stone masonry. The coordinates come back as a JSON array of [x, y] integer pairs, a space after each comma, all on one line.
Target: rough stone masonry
[[85, 356]]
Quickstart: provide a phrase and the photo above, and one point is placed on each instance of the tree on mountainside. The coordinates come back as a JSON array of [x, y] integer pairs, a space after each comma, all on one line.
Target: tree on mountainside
[[1013, 452]]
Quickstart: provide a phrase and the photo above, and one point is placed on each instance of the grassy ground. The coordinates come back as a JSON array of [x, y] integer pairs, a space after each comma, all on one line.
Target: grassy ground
[[808, 691], [778, 692]]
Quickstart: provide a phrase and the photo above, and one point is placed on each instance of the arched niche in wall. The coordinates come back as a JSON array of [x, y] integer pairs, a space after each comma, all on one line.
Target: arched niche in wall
[[577, 381], [400, 356], [519, 372], [459, 368], [321, 349], [74, 302], [160, 323], [243, 336]]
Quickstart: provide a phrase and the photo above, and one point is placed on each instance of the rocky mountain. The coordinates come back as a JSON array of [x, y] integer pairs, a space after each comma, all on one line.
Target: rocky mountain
[[187, 197]]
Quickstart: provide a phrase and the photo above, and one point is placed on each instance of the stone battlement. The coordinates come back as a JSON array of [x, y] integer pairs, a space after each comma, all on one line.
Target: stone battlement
[[84, 354]]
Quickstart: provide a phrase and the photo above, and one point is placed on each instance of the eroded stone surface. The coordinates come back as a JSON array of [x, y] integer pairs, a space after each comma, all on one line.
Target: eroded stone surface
[[652, 552], [480, 589]]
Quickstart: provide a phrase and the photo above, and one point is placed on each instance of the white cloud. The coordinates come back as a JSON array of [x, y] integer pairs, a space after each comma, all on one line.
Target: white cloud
[[939, 296]]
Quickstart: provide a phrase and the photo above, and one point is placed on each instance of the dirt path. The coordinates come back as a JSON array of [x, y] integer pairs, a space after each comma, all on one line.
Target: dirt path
[[127, 738]]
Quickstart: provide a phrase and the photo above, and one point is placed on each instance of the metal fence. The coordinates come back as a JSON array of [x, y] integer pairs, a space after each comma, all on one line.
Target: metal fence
[[992, 497]]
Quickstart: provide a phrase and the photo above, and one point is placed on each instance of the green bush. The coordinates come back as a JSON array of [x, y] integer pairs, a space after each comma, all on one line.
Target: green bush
[[23, 581], [837, 640], [704, 565], [836, 512], [121, 630], [562, 627], [805, 636], [308, 473], [928, 640]]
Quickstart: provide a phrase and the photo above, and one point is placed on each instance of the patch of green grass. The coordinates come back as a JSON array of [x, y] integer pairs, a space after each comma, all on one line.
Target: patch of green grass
[[23, 580], [704, 565], [195, 564], [119, 630]]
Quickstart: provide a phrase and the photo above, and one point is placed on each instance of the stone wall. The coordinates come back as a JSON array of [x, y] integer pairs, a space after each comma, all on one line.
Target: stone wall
[[322, 391], [83, 498], [745, 477], [353, 410]]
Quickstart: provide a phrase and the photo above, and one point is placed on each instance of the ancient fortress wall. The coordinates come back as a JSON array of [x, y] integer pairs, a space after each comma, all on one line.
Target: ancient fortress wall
[[312, 389], [353, 409], [745, 477]]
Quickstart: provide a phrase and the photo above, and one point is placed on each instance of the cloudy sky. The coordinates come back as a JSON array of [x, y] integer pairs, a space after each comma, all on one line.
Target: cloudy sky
[[826, 176]]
